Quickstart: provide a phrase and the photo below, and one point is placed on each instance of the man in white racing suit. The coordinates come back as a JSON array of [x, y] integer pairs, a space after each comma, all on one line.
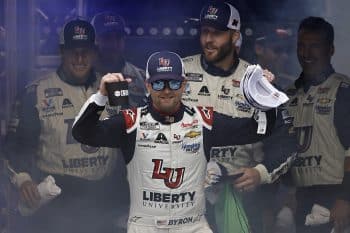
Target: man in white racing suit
[[213, 79], [165, 145]]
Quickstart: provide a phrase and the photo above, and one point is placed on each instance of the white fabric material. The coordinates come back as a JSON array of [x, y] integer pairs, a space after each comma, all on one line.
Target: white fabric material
[[200, 226], [285, 221], [48, 190], [259, 92], [320, 215]]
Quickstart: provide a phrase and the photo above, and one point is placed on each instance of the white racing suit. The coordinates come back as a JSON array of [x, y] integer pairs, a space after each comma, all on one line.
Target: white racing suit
[[166, 158]]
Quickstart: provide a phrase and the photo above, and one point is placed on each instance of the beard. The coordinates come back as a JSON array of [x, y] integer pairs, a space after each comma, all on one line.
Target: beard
[[221, 53]]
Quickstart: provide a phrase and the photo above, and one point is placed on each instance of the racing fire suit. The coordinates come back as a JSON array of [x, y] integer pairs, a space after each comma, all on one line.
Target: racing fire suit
[[209, 85], [40, 143], [320, 116], [166, 158]]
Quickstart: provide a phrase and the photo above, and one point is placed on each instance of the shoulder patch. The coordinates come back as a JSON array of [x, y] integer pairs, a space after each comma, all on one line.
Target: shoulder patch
[[187, 59], [207, 114], [189, 110], [130, 116]]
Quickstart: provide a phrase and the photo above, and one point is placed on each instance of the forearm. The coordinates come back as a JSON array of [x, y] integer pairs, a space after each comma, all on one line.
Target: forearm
[[239, 131], [345, 190], [89, 130]]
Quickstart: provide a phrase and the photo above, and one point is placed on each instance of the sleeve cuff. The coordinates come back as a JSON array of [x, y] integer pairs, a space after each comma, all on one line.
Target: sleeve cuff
[[20, 178], [265, 177], [100, 99]]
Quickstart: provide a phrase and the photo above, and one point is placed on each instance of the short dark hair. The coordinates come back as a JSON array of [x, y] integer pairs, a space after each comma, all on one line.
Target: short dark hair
[[318, 24]]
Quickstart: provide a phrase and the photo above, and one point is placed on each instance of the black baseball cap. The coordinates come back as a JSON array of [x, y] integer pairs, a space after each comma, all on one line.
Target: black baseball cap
[[78, 34], [164, 65], [220, 15], [105, 22]]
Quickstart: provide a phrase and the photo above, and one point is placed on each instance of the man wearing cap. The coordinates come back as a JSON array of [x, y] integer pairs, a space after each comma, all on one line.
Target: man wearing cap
[[213, 78], [110, 36], [40, 143], [165, 145]]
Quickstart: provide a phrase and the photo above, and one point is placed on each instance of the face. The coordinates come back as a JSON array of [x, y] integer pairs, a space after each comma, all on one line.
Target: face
[[217, 45], [111, 45], [77, 62], [166, 100], [314, 53]]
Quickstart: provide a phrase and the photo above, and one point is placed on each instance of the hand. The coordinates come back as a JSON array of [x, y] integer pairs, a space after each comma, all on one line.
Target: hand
[[29, 194], [111, 78], [248, 181], [268, 75], [340, 215]]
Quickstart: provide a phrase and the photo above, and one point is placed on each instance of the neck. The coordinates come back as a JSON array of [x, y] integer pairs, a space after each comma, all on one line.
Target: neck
[[167, 113], [226, 63], [67, 77]]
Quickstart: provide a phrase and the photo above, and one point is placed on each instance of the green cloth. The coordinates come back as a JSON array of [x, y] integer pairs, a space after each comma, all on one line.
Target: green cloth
[[229, 213]]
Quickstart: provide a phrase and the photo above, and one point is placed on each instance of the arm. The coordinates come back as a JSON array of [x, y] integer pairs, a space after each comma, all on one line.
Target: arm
[[87, 127], [89, 130], [227, 130], [280, 148], [21, 146], [340, 212]]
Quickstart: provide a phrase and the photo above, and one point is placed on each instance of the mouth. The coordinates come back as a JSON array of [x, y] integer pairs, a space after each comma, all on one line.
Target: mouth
[[209, 49], [80, 67], [307, 60], [166, 98]]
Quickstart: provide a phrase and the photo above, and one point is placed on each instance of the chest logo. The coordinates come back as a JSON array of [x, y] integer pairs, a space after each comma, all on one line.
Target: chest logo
[[171, 180], [161, 139], [204, 91]]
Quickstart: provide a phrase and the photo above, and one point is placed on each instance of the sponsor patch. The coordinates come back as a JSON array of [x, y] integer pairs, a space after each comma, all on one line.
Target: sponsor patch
[[323, 100], [51, 92], [145, 136], [161, 139], [310, 98], [194, 123], [187, 59], [67, 103], [194, 77], [204, 91], [323, 110], [190, 147], [149, 125], [224, 90], [242, 106], [236, 83], [192, 134], [48, 105]]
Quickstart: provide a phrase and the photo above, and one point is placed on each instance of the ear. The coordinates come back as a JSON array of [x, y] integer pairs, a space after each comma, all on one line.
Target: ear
[[259, 50], [148, 86], [235, 36], [331, 50]]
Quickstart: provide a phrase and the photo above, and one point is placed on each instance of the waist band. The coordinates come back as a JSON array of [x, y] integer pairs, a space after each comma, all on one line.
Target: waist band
[[166, 221]]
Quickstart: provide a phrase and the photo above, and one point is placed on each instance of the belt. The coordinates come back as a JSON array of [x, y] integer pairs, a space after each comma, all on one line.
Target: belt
[[166, 221]]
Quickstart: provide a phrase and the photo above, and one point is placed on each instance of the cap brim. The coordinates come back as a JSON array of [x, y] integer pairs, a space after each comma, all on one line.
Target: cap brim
[[166, 77], [79, 45], [214, 24]]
